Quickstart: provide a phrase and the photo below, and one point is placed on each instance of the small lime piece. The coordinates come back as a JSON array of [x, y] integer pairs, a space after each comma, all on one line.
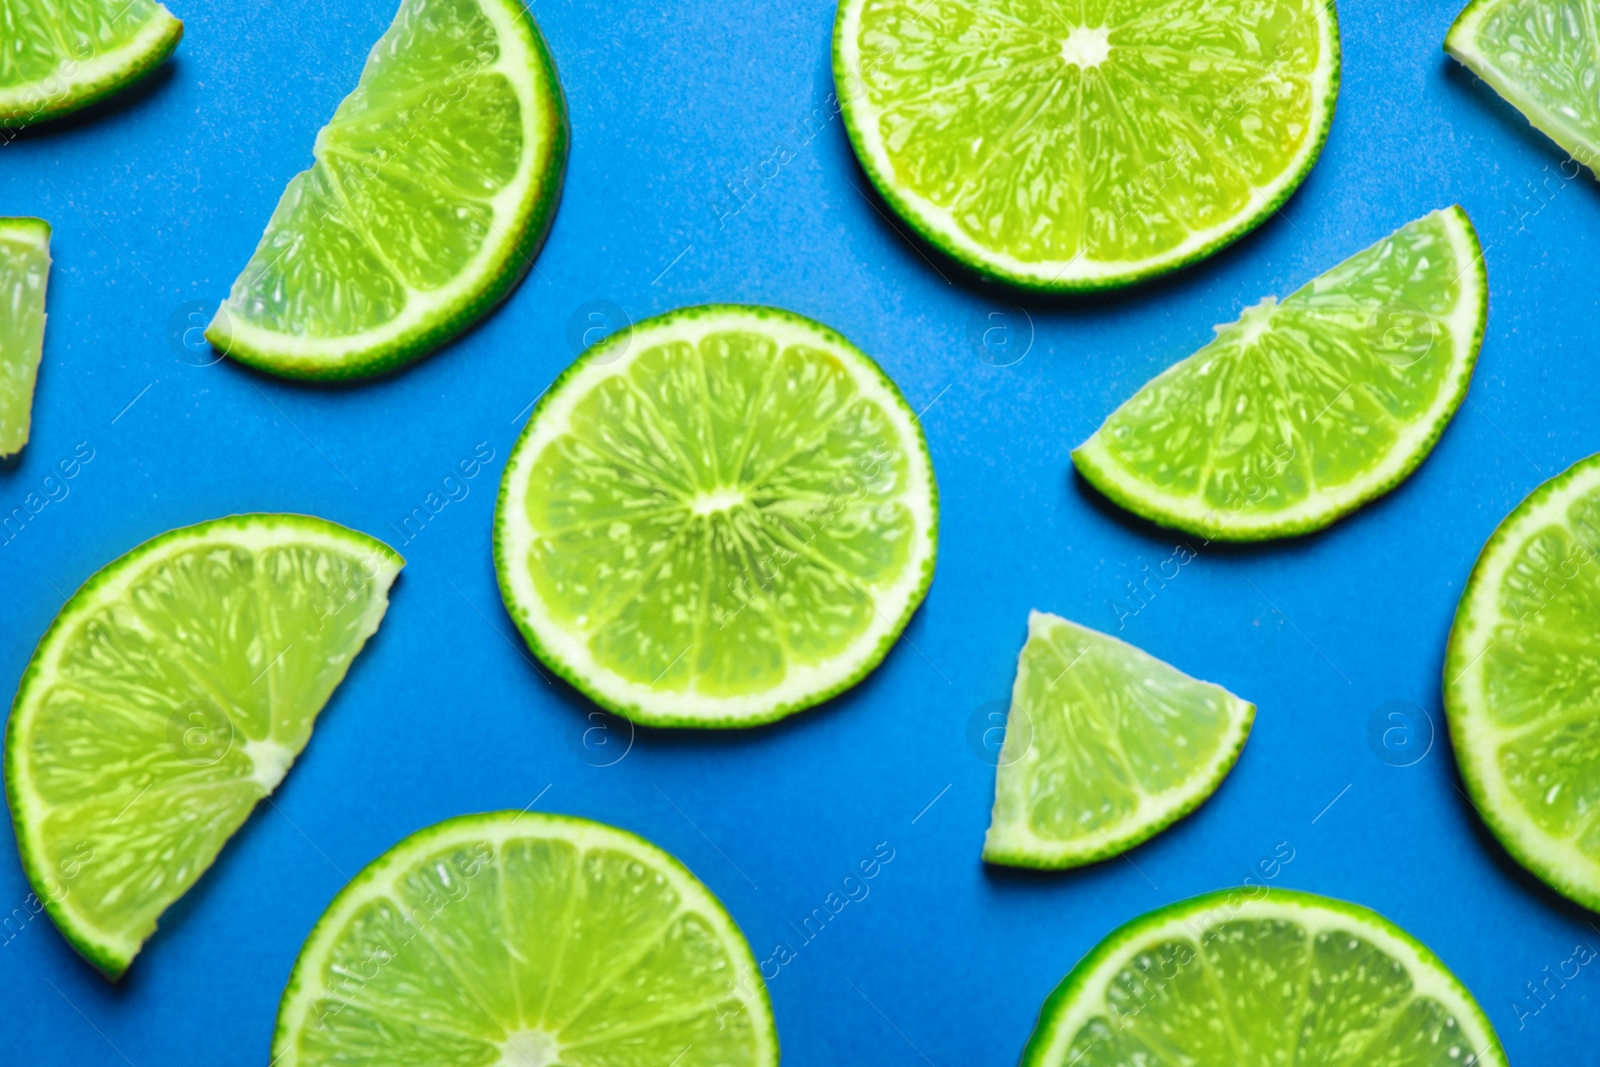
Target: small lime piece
[[1106, 746], [24, 272], [718, 518], [525, 940], [172, 693], [57, 56]]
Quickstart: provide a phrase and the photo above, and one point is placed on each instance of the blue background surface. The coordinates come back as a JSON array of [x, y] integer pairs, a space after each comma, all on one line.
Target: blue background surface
[[158, 201]]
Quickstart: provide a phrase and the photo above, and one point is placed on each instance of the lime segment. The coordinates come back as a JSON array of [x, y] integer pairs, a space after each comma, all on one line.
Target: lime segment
[[724, 516], [24, 272], [1105, 747], [1262, 976], [1083, 146], [170, 695], [1302, 411], [525, 940], [57, 56], [433, 186]]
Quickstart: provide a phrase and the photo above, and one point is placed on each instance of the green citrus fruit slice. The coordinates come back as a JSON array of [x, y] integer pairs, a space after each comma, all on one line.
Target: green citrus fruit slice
[[1262, 976], [1521, 677], [525, 940], [24, 272], [1088, 145], [718, 518], [1106, 746], [172, 693], [433, 187], [57, 56], [1304, 410]]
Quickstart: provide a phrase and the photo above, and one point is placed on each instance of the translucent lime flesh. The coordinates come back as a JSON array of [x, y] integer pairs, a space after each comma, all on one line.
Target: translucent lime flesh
[[1302, 410], [525, 941], [1257, 977], [1086, 143], [170, 696], [1105, 746], [58, 55], [24, 272]]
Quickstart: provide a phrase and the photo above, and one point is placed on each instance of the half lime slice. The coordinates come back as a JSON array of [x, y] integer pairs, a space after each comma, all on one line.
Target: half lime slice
[[1521, 677], [57, 57], [1262, 976], [525, 940], [1302, 411], [1089, 145], [433, 187], [1106, 746], [24, 272], [1544, 58], [718, 518], [172, 693]]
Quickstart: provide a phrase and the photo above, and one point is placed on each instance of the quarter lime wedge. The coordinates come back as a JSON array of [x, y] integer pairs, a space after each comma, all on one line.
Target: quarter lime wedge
[[1262, 976], [1106, 746], [172, 693], [1522, 683], [1077, 146], [433, 187], [525, 940], [57, 56], [1304, 410], [24, 272], [719, 518]]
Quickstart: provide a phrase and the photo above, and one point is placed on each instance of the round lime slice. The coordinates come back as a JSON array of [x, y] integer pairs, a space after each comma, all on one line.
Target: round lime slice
[[1087, 145], [433, 187], [24, 273], [1304, 410], [1262, 976], [58, 57], [525, 940], [1106, 746], [718, 518], [172, 693], [1521, 674]]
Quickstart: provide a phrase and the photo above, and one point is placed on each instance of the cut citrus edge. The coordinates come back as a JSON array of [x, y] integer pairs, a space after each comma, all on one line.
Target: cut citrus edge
[[1553, 862], [377, 879], [1461, 43], [98, 77], [1081, 994], [36, 232], [804, 688], [524, 211], [933, 223], [108, 950], [1096, 458], [1018, 846]]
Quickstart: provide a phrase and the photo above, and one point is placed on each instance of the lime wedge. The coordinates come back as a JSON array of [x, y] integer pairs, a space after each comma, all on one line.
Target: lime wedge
[[1090, 145], [24, 270], [1304, 410], [171, 693], [56, 57], [1541, 56], [719, 518], [525, 940], [1521, 677], [1262, 976], [433, 187], [1106, 746]]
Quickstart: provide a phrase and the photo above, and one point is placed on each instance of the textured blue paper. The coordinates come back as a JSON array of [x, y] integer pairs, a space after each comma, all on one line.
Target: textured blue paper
[[157, 203]]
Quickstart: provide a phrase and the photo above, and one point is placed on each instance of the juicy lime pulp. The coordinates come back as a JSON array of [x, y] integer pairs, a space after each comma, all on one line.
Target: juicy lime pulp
[[1544, 58], [1304, 410], [60, 55], [1255, 976], [24, 272], [1075, 146], [171, 694], [527, 940], [1105, 747], [719, 518], [1521, 674], [433, 187]]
